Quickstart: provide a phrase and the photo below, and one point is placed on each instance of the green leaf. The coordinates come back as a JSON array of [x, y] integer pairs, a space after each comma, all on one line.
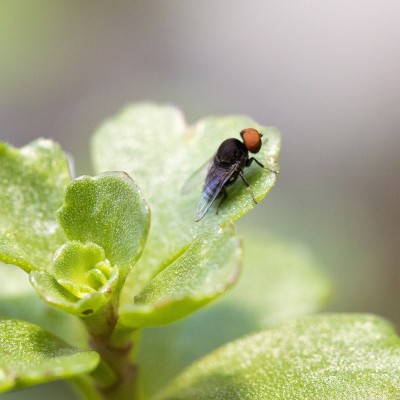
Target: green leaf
[[29, 356], [204, 271], [110, 211], [83, 269], [107, 220], [19, 300], [32, 182], [279, 280], [154, 145], [322, 357], [283, 279], [80, 281]]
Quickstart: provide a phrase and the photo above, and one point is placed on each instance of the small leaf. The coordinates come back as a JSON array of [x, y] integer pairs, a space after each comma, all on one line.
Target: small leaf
[[32, 182], [204, 271], [80, 280], [83, 269], [30, 355], [322, 357], [156, 147], [279, 280], [110, 211]]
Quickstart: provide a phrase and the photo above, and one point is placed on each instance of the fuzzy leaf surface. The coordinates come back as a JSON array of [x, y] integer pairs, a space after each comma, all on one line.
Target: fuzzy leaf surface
[[18, 300], [110, 211], [280, 280], [161, 153], [80, 281], [204, 271], [32, 183], [322, 357], [29, 356]]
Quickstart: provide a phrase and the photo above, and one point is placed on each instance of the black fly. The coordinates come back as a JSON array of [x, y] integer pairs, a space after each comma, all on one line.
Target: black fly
[[227, 165]]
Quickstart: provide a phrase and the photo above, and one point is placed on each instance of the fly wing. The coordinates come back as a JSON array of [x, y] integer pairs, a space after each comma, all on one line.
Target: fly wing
[[215, 181], [196, 178]]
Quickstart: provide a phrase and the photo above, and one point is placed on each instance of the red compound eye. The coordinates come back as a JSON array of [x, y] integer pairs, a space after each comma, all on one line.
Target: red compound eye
[[251, 139]]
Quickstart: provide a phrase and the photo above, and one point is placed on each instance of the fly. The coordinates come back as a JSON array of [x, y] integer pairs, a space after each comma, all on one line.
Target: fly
[[227, 165]]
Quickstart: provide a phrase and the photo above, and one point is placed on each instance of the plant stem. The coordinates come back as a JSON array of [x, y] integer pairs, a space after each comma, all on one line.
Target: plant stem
[[123, 386], [116, 376]]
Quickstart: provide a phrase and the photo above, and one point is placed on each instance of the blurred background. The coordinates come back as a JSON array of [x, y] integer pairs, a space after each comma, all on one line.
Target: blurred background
[[327, 74]]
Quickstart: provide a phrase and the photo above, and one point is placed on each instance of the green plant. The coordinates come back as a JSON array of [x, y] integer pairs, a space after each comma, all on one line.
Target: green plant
[[105, 273]]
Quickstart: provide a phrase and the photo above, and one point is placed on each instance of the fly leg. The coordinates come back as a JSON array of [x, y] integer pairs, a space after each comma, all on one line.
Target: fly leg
[[250, 160], [248, 185], [224, 195]]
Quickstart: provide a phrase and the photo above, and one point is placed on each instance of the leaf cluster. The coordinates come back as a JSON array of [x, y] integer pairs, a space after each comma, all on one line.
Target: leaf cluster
[[118, 252]]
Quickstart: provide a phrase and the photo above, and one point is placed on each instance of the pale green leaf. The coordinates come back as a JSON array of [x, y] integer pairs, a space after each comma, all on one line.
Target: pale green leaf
[[156, 147], [280, 279], [19, 300], [205, 270], [82, 268], [32, 183], [29, 356], [110, 211], [80, 280], [324, 357]]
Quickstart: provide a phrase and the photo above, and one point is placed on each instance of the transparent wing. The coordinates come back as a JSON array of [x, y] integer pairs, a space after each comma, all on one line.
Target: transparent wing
[[196, 178], [216, 179]]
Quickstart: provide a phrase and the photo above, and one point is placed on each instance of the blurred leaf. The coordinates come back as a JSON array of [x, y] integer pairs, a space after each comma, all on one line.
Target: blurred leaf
[[60, 390], [110, 211], [154, 145], [30, 355], [205, 270], [80, 281], [279, 280], [322, 357], [282, 279], [32, 182], [19, 300]]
